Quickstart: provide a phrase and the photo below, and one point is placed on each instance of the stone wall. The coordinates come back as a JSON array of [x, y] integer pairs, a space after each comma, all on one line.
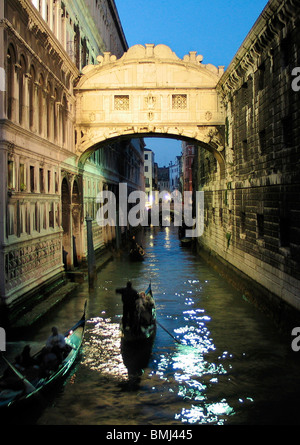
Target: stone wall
[[252, 216]]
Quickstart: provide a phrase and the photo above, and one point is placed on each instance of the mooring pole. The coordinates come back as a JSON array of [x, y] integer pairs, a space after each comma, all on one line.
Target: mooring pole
[[90, 252]]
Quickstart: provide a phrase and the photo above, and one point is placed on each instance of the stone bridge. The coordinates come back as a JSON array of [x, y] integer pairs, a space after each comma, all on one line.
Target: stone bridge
[[149, 92]]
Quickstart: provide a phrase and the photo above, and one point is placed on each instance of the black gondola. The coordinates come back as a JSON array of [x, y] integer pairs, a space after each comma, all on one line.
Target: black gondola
[[137, 253], [185, 241], [25, 387]]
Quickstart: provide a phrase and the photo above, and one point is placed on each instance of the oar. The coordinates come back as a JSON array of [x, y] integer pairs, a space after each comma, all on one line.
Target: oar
[[28, 385], [174, 338]]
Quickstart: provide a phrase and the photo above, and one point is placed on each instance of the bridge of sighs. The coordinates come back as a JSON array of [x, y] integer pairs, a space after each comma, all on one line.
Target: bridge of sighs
[[150, 92]]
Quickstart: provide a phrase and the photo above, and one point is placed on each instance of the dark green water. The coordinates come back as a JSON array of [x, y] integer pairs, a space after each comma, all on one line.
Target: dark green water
[[231, 367]]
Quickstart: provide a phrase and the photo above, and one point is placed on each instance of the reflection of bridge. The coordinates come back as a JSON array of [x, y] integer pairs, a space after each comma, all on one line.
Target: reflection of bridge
[[149, 92]]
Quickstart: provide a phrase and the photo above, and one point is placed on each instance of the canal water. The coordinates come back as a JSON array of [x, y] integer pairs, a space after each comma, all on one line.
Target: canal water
[[229, 365]]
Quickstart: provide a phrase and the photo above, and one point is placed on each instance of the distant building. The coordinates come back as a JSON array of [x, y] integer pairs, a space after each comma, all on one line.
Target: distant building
[[163, 181], [174, 174], [149, 173], [188, 155]]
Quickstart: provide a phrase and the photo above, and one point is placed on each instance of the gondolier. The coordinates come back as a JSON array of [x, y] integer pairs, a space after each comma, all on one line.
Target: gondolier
[[136, 343], [129, 298], [136, 252]]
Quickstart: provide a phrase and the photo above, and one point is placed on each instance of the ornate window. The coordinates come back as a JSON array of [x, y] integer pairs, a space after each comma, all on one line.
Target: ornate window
[[179, 101], [122, 102]]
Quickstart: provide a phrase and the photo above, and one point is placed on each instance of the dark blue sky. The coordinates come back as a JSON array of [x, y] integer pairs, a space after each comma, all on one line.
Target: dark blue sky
[[215, 29]]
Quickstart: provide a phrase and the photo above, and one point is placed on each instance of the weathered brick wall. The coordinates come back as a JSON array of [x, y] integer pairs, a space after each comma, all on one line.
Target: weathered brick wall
[[252, 217]]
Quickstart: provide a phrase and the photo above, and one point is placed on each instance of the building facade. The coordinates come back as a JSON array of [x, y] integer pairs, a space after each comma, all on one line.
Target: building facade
[[163, 179], [149, 172], [252, 216], [188, 155], [174, 174], [45, 193]]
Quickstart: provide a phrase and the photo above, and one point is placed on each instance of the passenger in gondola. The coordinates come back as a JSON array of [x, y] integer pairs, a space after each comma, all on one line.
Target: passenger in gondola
[[49, 361], [144, 307], [26, 364], [129, 297], [56, 344], [24, 360], [135, 247]]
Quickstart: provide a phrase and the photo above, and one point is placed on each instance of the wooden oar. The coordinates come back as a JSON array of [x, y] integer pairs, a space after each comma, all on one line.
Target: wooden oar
[[28, 385], [174, 338]]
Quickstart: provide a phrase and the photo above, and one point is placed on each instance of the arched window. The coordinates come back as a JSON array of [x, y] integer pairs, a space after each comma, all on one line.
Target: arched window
[[41, 103], [54, 115], [10, 79], [22, 71], [64, 119], [32, 98], [49, 111]]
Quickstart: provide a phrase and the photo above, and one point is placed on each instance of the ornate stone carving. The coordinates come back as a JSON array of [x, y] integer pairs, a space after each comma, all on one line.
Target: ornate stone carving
[[31, 261]]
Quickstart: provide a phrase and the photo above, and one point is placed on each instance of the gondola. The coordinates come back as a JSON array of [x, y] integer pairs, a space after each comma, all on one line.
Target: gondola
[[137, 341], [137, 253], [186, 241], [145, 327], [24, 388]]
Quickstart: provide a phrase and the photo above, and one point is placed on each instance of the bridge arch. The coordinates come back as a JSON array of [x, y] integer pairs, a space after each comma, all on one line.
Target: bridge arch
[[149, 92]]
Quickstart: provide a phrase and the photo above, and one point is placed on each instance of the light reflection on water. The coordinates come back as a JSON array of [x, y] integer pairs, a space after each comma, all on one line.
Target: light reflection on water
[[192, 373], [223, 370], [102, 348]]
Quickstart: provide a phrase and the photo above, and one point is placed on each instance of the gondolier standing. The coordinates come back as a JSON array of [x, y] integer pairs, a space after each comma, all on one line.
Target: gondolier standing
[[129, 297]]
